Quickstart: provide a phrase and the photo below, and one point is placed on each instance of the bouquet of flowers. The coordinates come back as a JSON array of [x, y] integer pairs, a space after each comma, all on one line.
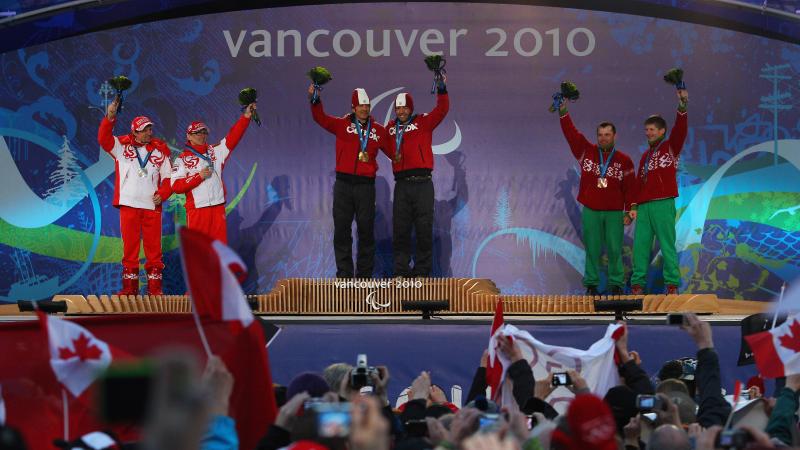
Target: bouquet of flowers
[[568, 92], [120, 83], [246, 97], [674, 77], [319, 76], [436, 65]]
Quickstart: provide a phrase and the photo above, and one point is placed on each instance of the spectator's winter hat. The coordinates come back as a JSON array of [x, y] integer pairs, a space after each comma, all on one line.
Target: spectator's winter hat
[[307, 445], [404, 99], [309, 382], [139, 123], [591, 425], [359, 97], [96, 440], [194, 127], [622, 401]]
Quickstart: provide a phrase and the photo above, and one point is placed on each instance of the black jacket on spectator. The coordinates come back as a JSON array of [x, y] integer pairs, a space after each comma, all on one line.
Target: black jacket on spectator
[[713, 409], [519, 372], [636, 378]]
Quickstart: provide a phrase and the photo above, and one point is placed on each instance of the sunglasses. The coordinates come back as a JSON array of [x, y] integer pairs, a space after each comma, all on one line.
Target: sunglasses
[[200, 132]]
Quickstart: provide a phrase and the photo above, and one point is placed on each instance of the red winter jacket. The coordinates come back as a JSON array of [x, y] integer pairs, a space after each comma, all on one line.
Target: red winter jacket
[[662, 165], [416, 147], [348, 145], [620, 192]]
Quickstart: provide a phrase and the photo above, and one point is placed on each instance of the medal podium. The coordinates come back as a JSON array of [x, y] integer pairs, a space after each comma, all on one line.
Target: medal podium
[[384, 297]]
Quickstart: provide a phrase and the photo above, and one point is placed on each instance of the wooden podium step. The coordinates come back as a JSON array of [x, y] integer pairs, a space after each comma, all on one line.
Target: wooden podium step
[[330, 296]]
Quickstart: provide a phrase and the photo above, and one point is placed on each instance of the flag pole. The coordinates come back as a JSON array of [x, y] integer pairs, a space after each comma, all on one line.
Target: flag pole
[[65, 410], [778, 308], [200, 330], [197, 323]]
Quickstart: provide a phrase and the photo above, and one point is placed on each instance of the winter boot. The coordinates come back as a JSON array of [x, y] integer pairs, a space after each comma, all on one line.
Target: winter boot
[[130, 282], [154, 282]]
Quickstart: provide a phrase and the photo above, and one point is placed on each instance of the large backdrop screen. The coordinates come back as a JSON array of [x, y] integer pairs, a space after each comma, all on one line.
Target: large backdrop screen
[[505, 180]]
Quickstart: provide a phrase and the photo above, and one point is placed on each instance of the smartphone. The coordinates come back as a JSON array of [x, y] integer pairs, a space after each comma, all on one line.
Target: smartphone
[[124, 392], [333, 419], [675, 319], [561, 379]]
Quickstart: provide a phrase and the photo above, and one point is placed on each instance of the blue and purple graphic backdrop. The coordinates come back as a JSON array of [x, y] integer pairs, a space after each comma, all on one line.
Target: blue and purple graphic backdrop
[[505, 180]]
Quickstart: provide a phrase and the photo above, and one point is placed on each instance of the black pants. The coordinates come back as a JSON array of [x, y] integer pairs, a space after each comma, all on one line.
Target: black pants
[[353, 200], [413, 207]]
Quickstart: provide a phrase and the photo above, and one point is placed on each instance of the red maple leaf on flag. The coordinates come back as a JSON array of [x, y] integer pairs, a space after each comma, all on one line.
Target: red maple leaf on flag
[[792, 340], [82, 350]]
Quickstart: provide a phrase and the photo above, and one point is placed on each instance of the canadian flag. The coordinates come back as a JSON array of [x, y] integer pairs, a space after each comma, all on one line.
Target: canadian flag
[[494, 368], [213, 272], [777, 351], [77, 357], [596, 364]]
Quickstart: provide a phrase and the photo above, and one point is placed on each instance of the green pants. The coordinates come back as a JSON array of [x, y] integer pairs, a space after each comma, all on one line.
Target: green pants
[[655, 219], [602, 228]]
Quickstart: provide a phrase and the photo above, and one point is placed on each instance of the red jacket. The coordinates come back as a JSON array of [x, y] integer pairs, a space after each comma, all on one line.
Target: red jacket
[[662, 165], [416, 147], [187, 179], [620, 192], [348, 145]]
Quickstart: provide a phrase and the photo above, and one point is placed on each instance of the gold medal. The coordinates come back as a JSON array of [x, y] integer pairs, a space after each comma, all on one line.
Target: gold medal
[[602, 183], [363, 156]]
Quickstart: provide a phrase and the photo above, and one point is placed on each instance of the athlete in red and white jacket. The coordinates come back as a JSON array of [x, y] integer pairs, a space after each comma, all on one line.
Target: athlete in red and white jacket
[[198, 174], [358, 139], [141, 185], [413, 204]]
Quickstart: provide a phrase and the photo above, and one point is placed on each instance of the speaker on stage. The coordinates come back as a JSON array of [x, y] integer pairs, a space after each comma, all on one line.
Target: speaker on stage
[[619, 307], [47, 306], [427, 307]]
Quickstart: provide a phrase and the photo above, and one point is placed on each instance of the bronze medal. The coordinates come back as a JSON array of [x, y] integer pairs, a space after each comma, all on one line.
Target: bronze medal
[[363, 156]]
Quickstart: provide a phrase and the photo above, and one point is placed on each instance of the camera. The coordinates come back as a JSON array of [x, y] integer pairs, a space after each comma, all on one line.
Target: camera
[[734, 439], [561, 379], [361, 374], [675, 319], [647, 403], [333, 419], [488, 422]]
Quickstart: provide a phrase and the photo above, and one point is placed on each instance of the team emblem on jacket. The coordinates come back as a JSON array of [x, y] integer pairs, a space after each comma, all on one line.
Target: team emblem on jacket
[[373, 134], [409, 127], [156, 158], [190, 161], [660, 160], [129, 152], [614, 170]]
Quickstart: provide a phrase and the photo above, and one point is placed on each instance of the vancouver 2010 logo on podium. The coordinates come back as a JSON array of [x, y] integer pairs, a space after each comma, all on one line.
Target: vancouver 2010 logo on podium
[[372, 298]]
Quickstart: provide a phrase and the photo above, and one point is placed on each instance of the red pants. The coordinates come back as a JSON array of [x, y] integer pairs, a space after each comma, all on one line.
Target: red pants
[[209, 220], [137, 225]]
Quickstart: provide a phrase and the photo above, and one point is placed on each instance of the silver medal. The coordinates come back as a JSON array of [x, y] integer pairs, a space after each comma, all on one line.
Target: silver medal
[[142, 173]]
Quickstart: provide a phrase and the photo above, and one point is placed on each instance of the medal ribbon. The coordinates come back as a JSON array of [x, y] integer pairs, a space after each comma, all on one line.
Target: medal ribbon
[[142, 162], [200, 155], [605, 163], [363, 138], [399, 130]]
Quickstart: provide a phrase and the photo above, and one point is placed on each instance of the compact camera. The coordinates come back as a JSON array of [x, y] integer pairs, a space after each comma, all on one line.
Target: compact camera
[[647, 403], [361, 374], [561, 379], [733, 439]]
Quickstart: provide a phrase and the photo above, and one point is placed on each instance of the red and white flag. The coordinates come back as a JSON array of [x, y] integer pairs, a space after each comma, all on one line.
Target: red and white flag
[[77, 357], [596, 364], [494, 368], [777, 351], [213, 272]]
